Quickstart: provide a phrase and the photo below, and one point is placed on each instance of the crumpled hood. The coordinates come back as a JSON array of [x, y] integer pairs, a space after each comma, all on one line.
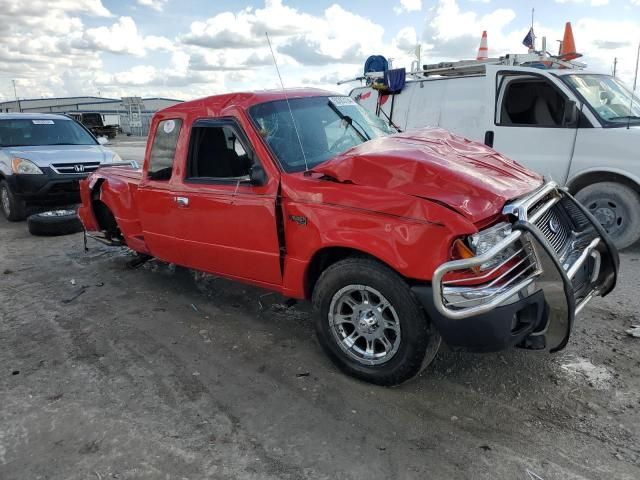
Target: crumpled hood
[[45, 155], [436, 165]]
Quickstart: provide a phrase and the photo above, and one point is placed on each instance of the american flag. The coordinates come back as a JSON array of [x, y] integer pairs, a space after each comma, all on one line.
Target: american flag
[[529, 39]]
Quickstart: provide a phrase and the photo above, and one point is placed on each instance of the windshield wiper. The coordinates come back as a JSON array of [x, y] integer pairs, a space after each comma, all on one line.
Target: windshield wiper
[[362, 133]]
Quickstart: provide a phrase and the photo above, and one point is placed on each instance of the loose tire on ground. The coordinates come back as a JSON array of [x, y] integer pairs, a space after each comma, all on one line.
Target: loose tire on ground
[[53, 223], [616, 207], [13, 209], [409, 340]]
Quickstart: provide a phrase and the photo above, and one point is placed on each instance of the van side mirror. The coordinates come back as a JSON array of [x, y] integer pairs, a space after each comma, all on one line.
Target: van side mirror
[[571, 113], [257, 175]]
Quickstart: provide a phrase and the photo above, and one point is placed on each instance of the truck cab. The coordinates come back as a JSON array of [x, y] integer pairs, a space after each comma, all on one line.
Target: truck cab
[[578, 128]]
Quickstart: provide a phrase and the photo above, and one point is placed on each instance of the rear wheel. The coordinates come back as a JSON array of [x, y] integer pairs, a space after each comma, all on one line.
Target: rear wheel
[[369, 323], [617, 208], [12, 208]]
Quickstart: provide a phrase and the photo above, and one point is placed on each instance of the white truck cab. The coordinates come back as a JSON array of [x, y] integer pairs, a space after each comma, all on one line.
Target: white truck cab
[[578, 128]]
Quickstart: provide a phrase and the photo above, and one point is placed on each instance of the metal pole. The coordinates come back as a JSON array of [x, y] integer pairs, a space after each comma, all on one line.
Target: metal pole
[[635, 83], [15, 92], [615, 65], [533, 34]]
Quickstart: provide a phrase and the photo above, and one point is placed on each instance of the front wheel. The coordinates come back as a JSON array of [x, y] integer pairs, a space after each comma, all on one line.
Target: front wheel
[[369, 323], [617, 208], [12, 208]]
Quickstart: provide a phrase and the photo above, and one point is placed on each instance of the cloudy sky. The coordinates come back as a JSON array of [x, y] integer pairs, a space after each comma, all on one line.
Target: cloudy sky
[[191, 48]]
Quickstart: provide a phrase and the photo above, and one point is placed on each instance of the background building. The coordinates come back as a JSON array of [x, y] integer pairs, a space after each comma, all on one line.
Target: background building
[[113, 110]]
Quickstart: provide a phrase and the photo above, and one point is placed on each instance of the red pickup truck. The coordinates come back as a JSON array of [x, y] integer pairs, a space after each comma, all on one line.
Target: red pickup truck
[[399, 239]]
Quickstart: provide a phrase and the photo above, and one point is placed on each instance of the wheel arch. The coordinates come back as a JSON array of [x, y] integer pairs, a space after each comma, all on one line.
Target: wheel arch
[[329, 255], [584, 179]]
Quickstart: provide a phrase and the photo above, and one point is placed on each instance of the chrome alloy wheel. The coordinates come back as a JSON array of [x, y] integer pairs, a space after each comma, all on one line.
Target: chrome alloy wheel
[[364, 324], [6, 205]]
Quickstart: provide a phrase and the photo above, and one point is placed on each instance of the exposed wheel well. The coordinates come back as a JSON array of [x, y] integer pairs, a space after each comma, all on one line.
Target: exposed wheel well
[[326, 257], [590, 178]]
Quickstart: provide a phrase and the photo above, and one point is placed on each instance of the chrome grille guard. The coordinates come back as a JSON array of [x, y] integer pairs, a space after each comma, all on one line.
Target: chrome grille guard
[[456, 302]]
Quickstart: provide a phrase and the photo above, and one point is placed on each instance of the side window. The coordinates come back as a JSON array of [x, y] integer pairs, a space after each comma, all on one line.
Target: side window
[[532, 102], [216, 152], [163, 150]]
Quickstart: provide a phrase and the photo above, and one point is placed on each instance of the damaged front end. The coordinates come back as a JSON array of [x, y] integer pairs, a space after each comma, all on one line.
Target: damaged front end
[[523, 282]]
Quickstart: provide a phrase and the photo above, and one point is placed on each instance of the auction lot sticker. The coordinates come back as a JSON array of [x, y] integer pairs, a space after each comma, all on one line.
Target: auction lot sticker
[[42, 122], [169, 125]]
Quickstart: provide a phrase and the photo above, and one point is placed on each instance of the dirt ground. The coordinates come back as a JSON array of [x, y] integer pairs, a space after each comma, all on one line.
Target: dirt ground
[[162, 373]]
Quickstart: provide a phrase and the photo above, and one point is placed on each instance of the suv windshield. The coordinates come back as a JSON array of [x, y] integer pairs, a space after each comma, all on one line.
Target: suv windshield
[[326, 126], [608, 98], [34, 132]]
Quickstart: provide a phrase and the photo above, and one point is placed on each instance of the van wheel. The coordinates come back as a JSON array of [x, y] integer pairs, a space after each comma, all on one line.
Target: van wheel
[[369, 323], [617, 208], [54, 222], [12, 208]]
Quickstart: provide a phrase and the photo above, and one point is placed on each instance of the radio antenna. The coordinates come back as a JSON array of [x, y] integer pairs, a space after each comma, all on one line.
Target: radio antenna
[[286, 97], [635, 82]]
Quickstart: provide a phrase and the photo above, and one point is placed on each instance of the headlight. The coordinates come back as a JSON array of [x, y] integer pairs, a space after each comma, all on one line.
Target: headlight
[[484, 240], [23, 166]]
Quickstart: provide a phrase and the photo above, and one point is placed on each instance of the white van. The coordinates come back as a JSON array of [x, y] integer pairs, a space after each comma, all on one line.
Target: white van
[[571, 125]]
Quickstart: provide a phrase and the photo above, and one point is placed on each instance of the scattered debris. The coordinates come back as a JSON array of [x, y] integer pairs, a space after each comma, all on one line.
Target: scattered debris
[[80, 292], [454, 418], [195, 308], [486, 448], [263, 296], [100, 284], [303, 374], [7, 272], [15, 372], [534, 476], [196, 374], [73, 281], [598, 377], [634, 331]]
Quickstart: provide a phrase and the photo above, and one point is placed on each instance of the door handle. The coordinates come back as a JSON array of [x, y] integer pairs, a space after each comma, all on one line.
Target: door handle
[[182, 201]]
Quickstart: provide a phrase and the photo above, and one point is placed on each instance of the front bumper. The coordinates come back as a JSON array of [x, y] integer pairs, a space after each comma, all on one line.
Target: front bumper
[[50, 188], [563, 258]]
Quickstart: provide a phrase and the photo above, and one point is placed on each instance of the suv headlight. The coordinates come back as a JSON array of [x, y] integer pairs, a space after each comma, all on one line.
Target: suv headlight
[[22, 166], [484, 240]]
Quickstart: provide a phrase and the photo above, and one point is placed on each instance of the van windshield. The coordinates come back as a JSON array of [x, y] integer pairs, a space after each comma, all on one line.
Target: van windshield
[[609, 98], [24, 132], [326, 127]]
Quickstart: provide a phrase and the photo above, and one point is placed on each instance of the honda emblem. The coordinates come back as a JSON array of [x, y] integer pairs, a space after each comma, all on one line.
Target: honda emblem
[[78, 168]]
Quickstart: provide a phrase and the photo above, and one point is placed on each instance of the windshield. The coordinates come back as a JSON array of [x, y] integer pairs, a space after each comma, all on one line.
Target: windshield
[[607, 96], [35, 132], [327, 126]]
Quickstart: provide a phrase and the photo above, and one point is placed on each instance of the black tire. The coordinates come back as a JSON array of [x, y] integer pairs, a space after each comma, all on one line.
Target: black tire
[[13, 209], [617, 208], [417, 341], [55, 222]]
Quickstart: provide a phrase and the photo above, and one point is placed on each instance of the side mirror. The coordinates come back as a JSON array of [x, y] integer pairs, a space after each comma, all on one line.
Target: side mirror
[[257, 175], [571, 113], [102, 140]]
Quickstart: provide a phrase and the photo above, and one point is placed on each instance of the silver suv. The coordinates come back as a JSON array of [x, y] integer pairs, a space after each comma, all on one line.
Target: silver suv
[[42, 159]]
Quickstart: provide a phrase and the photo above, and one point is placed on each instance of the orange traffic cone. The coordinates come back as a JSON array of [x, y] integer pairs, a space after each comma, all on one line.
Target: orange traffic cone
[[483, 51], [568, 48]]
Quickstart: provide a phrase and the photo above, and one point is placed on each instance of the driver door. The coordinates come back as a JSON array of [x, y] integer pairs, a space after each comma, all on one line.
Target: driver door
[[533, 123]]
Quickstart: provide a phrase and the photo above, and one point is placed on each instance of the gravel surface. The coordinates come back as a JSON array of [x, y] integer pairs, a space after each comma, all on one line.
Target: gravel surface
[[161, 372]]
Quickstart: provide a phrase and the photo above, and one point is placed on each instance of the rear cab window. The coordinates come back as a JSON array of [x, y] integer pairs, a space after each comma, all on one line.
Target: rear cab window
[[163, 149]]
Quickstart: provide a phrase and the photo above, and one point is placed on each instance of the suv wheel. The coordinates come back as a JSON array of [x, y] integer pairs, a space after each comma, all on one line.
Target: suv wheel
[[12, 208], [369, 323]]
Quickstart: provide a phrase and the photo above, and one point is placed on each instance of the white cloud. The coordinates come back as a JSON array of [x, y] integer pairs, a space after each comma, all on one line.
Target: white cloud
[[594, 3], [157, 5], [122, 38], [408, 6]]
